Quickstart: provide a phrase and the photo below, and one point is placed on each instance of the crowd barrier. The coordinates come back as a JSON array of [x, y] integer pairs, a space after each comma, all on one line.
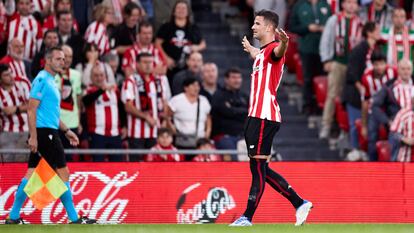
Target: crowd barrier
[[216, 192]]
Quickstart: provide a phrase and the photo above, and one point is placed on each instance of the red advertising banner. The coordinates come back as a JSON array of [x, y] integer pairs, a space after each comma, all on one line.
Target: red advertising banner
[[217, 192]]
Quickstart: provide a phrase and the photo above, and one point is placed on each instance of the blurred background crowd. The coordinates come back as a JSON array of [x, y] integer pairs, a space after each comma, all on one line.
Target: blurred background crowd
[[171, 75]]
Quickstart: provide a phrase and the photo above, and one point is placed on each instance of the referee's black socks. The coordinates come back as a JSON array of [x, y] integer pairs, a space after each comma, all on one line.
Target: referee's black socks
[[261, 173]]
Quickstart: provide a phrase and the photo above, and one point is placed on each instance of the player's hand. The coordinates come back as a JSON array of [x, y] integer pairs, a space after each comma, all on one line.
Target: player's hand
[[246, 44], [73, 139], [32, 142], [283, 37]]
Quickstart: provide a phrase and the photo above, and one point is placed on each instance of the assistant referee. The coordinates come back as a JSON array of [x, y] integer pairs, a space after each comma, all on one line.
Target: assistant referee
[[43, 113]]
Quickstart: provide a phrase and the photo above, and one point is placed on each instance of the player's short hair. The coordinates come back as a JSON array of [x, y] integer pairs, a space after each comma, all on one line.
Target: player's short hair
[[143, 54], [368, 27], [3, 68], [162, 131], [378, 56], [232, 70], [49, 52], [188, 81], [269, 16]]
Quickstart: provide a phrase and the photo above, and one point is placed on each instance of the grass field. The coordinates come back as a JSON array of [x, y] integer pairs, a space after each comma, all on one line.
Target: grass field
[[216, 228]]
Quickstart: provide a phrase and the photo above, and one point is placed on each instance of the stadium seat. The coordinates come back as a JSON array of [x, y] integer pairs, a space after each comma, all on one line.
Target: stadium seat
[[299, 70], [291, 52], [320, 87], [341, 115], [383, 151]]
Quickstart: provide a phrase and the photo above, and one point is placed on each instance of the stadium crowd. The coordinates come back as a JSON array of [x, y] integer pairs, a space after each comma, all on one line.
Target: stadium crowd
[[133, 80]]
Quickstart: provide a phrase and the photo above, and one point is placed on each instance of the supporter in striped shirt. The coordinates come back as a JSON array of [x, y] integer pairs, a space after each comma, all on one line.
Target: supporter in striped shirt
[[395, 95], [97, 31], [15, 59], [402, 128], [24, 27], [13, 116], [373, 80], [139, 94], [104, 113], [164, 142], [52, 20], [397, 42], [143, 44]]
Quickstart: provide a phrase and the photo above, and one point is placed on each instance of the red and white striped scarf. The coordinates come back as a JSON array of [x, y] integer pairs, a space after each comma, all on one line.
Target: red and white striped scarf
[[354, 33], [392, 51]]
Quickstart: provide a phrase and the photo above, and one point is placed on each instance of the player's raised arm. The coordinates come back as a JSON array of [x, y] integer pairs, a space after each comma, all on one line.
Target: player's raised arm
[[249, 48], [280, 50]]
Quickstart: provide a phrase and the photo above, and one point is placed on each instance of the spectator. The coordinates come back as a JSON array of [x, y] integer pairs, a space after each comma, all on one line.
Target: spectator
[[209, 76], [51, 21], [396, 43], [194, 65], [139, 95], [69, 84], [229, 111], [119, 9], [335, 46], [191, 115], [15, 59], [178, 38], [206, 144], [309, 29], [124, 34], [104, 114], [91, 56], [142, 44], [387, 102], [96, 32], [69, 35], [13, 116], [353, 89], [3, 29], [402, 129], [51, 39], [26, 28], [378, 11], [164, 142]]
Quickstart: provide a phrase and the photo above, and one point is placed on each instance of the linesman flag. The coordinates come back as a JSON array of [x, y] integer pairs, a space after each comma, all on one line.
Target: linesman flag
[[44, 186]]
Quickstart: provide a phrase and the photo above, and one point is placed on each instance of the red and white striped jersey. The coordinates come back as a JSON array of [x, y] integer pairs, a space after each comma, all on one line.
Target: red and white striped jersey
[[334, 5], [96, 33], [16, 122], [373, 85], [143, 94], [130, 55], [51, 23], [103, 115], [17, 68], [265, 80], [154, 157], [27, 30], [402, 93], [24, 86], [3, 21], [403, 124]]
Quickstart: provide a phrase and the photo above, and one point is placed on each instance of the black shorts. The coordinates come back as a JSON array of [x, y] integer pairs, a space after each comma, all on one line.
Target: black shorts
[[50, 147], [259, 135]]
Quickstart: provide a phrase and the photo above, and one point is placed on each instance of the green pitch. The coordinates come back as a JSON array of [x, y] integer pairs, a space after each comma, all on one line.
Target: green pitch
[[210, 228]]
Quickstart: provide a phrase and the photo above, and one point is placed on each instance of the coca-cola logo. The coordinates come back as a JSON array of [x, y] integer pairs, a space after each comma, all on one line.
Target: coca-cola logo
[[99, 199], [190, 209]]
